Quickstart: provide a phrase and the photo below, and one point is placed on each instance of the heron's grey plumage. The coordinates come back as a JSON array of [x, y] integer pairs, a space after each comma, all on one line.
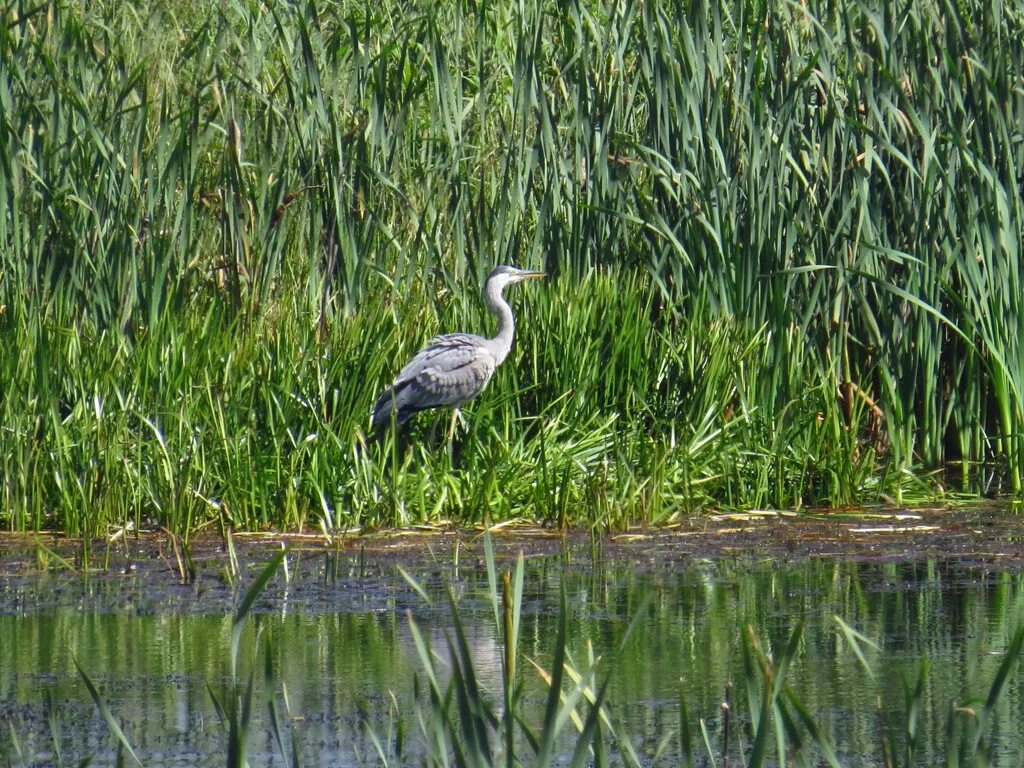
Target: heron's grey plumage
[[454, 367]]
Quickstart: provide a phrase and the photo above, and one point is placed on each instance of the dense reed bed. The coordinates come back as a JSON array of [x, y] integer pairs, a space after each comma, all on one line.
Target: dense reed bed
[[785, 247]]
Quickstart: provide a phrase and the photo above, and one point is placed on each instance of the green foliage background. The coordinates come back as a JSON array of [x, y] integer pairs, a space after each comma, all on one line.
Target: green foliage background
[[784, 239]]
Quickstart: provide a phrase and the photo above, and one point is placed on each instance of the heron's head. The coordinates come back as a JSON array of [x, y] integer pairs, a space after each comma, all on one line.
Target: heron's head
[[506, 275]]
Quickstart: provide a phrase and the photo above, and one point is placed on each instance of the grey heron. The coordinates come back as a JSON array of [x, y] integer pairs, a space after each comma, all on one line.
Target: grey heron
[[454, 367]]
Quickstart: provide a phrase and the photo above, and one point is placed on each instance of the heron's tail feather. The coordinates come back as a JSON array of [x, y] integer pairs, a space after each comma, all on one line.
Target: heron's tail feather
[[391, 404]]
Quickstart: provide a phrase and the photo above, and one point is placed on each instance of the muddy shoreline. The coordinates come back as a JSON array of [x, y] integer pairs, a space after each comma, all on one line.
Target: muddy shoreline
[[985, 536]]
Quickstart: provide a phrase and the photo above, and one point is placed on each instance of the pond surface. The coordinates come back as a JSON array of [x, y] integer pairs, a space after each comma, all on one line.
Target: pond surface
[[936, 586]]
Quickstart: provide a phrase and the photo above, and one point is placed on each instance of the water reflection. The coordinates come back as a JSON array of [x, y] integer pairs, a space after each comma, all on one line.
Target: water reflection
[[343, 654]]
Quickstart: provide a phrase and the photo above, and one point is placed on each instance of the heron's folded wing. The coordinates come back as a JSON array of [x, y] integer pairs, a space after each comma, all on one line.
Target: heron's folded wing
[[452, 369], [445, 373], [449, 351]]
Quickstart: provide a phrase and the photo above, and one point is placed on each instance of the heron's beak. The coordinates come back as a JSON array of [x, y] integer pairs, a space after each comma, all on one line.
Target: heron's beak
[[531, 275]]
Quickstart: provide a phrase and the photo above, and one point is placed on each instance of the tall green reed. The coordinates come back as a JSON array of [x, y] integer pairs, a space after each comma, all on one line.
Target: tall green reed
[[836, 183]]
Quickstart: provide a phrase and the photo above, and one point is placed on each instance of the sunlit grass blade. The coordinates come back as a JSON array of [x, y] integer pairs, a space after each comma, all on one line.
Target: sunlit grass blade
[[1011, 659], [475, 716], [552, 712], [590, 745], [245, 606], [105, 712], [855, 640]]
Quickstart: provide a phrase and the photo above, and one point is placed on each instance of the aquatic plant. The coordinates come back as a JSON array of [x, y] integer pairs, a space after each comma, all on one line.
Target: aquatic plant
[[454, 718], [459, 721]]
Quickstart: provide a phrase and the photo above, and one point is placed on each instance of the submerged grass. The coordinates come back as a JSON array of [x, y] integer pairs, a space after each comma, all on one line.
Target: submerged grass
[[785, 248]]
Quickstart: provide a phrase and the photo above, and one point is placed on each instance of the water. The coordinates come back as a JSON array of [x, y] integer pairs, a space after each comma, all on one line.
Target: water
[[343, 657]]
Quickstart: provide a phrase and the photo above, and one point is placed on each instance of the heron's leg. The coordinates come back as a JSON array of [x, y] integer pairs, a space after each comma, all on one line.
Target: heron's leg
[[451, 432]]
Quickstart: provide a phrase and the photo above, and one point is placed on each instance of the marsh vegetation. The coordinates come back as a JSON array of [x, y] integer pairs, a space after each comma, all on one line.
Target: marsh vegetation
[[785, 242]]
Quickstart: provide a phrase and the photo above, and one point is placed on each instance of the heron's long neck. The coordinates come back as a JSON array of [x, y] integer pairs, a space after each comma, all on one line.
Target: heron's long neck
[[506, 323]]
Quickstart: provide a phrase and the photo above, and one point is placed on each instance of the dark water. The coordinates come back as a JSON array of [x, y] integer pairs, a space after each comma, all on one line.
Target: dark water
[[342, 653]]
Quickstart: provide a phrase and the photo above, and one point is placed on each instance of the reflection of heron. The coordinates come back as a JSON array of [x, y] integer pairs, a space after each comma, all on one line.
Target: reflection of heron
[[455, 367]]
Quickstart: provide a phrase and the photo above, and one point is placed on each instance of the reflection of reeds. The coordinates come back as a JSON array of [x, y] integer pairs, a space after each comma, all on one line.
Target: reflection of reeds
[[461, 721], [786, 241]]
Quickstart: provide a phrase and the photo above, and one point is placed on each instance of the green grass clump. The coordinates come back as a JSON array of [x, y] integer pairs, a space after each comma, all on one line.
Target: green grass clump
[[785, 247]]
